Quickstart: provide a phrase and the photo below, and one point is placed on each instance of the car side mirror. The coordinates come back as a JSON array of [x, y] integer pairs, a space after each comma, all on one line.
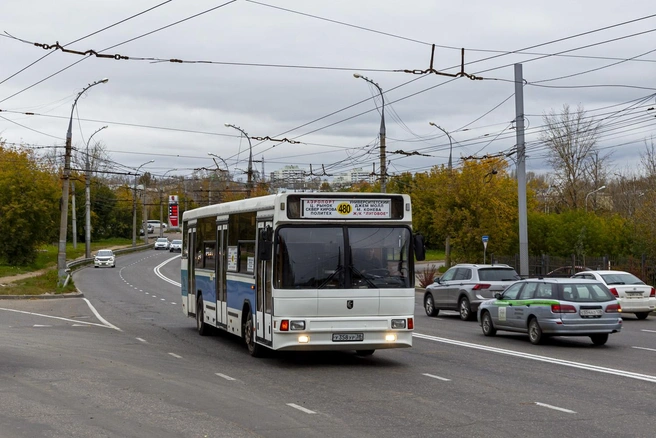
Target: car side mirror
[[498, 295]]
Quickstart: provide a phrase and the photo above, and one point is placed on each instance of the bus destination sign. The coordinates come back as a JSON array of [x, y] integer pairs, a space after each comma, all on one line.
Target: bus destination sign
[[345, 208]]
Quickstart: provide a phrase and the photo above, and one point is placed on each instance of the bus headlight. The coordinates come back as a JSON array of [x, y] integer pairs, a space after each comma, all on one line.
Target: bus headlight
[[398, 323], [390, 337], [297, 325]]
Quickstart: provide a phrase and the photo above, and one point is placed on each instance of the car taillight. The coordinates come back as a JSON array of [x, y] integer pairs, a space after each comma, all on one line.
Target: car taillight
[[480, 286], [563, 308], [614, 292], [613, 308], [652, 294]]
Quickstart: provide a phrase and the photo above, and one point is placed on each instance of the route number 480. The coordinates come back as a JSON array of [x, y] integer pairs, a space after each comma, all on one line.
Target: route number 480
[[344, 208]]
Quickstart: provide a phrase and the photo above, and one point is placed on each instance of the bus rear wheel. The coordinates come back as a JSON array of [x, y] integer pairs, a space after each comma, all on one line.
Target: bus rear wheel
[[248, 331]]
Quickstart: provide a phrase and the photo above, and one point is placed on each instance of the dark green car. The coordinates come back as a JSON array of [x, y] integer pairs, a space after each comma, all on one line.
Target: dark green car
[[544, 307]]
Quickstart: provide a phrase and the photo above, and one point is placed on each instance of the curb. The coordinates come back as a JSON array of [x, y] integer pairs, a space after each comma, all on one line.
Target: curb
[[42, 297]]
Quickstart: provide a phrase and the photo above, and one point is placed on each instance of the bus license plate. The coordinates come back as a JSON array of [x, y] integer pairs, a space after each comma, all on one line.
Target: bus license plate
[[348, 337]]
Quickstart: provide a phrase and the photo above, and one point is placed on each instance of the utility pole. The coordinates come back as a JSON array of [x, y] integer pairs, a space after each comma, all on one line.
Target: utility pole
[[87, 201], [383, 159], [134, 206], [521, 171], [62, 273], [73, 214]]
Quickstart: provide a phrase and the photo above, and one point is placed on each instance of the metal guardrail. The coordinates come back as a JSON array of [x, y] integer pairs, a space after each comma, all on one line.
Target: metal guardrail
[[77, 263]]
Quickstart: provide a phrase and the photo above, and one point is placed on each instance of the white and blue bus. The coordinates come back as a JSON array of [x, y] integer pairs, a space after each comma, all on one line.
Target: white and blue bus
[[294, 271]]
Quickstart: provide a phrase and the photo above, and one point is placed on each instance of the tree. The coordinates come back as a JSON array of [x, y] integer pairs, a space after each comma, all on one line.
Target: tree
[[571, 138], [29, 205]]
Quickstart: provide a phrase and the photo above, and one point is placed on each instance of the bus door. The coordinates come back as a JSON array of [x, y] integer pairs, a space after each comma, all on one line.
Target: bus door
[[191, 271], [263, 282], [221, 282]]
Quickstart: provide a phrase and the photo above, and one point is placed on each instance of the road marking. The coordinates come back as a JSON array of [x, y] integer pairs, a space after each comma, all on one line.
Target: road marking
[[568, 363], [643, 348], [224, 376], [648, 331], [105, 323], [41, 325], [556, 408], [175, 355], [141, 340], [95, 312], [157, 268], [300, 408], [173, 302], [163, 299], [436, 377]]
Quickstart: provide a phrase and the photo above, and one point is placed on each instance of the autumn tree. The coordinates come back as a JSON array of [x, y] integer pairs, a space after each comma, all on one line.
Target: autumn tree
[[29, 205]]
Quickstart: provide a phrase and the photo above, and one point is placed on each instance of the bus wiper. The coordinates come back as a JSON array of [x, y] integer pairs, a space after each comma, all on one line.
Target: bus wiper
[[363, 276], [331, 276]]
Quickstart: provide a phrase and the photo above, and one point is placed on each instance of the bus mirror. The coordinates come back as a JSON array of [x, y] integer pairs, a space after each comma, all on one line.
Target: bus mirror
[[266, 234], [420, 249]]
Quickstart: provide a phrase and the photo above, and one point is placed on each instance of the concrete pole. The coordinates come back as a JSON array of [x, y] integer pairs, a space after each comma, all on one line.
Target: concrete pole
[[521, 171], [73, 214]]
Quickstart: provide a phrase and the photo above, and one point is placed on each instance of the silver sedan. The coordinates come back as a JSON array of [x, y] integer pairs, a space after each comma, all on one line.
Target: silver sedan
[[544, 307]]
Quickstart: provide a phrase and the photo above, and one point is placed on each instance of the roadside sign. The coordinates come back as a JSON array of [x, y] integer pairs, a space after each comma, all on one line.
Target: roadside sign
[[485, 239]]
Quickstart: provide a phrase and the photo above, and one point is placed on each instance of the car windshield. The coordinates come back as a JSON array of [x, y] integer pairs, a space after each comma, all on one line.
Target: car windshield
[[105, 253], [585, 293], [498, 274], [621, 278], [162, 240], [176, 242]]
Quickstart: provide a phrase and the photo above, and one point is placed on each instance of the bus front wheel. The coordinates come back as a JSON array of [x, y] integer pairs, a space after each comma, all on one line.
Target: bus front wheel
[[248, 331]]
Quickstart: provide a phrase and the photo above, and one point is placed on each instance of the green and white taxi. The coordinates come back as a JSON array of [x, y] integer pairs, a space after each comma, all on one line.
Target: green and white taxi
[[545, 307]]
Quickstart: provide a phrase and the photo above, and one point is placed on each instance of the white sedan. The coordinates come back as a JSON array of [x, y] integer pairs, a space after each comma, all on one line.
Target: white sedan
[[162, 243], [633, 294]]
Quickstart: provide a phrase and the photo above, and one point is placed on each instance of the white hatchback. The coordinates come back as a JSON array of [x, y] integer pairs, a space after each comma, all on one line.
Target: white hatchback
[[104, 257], [633, 294]]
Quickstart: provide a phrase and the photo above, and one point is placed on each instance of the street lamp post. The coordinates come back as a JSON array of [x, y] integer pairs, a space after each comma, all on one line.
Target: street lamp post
[[586, 196], [134, 205], [63, 206], [450, 165], [447, 243], [250, 157], [161, 213], [87, 201], [383, 159]]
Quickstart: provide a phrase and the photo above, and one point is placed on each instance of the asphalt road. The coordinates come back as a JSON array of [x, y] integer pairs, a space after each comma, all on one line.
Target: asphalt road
[[125, 362]]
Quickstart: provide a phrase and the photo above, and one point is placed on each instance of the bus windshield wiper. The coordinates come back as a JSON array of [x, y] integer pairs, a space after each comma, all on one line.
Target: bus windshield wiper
[[331, 276], [363, 276]]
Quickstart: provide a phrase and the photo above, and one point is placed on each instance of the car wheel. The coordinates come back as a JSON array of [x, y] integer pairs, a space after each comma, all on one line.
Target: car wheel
[[642, 315], [465, 310], [363, 353], [248, 332], [599, 339], [534, 332], [203, 329], [487, 326], [95, 266], [429, 305]]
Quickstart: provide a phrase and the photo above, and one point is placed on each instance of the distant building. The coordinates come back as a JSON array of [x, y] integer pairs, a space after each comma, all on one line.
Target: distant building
[[354, 176]]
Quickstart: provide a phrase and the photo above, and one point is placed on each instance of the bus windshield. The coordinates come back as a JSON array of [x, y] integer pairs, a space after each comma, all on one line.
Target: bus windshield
[[342, 257]]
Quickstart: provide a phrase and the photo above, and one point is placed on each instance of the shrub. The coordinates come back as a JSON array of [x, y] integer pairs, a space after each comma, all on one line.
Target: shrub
[[427, 275]]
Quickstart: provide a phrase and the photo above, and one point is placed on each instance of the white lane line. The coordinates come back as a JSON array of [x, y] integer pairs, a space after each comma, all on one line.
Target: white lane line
[[141, 340], [436, 377], [74, 321], [300, 408], [643, 348], [41, 325], [648, 331], [173, 302], [555, 408], [175, 355], [568, 363], [95, 312], [163, 299], [224, 376], [157, 268]]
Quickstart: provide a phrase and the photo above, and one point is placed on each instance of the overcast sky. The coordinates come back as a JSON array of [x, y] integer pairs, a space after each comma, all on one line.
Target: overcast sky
[[284, 69]]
